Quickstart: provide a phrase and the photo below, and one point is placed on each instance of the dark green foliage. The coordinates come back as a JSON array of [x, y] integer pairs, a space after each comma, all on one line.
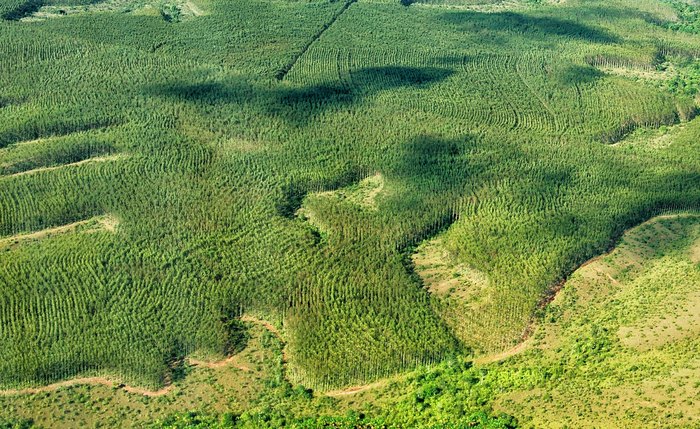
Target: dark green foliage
[[689, 16], [453, 396], [193, 420], [16, 424], [491, 127], [13, 10], [282, 72], [532, 26], [580, 75], [686, 81]]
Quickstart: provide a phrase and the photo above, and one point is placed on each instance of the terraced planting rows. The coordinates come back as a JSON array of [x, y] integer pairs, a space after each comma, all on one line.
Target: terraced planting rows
[[628, 316], [236, 192], [581, 366]]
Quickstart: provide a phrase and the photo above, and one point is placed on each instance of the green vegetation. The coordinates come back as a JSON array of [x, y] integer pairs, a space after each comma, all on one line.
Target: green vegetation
[[285, 160], [16, 9], [621, 331], [687, 79], [688, 16], [16, 424], [582, 366], [478, 420]]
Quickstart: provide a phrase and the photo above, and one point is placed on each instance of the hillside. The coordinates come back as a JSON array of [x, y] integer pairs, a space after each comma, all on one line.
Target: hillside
[[301, 209]]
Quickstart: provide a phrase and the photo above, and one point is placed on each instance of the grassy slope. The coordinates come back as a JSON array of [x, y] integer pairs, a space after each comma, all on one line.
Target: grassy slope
[[616, 348], [489, 125], [621, 336], [588, 363], [232, 388]]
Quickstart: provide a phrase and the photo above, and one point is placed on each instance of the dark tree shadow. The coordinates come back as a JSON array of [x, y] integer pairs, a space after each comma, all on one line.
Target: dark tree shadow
[[380, 78], [299, 105], [429, 176], [206, 93], [22, 10], [579, 75], [594, 13], [428, 159], [533, 26]]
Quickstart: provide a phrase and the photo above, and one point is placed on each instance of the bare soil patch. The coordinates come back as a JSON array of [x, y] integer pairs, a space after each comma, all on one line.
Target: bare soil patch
[[444, 276], [695, 253]]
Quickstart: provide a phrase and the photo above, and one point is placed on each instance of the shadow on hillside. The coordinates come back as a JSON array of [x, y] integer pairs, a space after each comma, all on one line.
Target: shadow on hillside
[[605, 13], [579, 75], [512, 22], [429, 177], [299, 105], [22, 10]]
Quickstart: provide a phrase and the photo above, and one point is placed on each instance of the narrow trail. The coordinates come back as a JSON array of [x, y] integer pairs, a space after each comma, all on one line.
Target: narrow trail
[[355, 389], [105, 381], [288, 67], [72, 164], [521, 75], [270, 327], [519, 348], [231, 361], [196, 11], [105, 222], [267, 325], [87, 381]]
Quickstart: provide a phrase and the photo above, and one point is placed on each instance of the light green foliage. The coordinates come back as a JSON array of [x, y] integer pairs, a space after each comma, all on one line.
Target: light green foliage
[[688, 14], [353, 420], [193, 420], [494, 127], [593, 343]]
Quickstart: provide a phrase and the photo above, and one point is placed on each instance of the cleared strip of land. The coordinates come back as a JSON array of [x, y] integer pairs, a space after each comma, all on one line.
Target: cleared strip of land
[[98, 223], [356, 389], [86, 380], [283, 72], [72, 164]]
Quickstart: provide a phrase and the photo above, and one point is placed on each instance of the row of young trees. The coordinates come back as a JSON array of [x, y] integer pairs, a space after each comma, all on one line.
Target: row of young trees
[[500, 145]]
